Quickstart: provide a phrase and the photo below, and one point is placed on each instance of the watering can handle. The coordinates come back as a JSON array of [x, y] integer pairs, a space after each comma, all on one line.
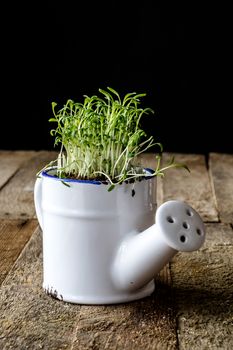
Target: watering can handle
[[38, 200]]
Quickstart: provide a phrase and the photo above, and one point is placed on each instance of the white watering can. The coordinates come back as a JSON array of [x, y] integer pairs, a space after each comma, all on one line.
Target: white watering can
[[103, 247]]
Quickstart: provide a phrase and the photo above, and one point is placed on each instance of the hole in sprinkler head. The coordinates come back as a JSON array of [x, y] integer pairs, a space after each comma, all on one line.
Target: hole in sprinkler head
[[185, 225], [199, 232], [188, 212], [182, 238], [170, 219]]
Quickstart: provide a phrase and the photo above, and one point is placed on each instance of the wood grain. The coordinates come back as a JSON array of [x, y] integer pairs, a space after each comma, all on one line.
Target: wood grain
[[146, 324], [16, 197], [14, 234], [192, 306], [193, 188], [221, 170], [33, 319], [10, 162], [203, 285], [29, 318]]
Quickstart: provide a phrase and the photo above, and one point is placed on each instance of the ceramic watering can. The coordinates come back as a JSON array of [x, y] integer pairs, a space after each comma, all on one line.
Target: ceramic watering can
[[103, 247]]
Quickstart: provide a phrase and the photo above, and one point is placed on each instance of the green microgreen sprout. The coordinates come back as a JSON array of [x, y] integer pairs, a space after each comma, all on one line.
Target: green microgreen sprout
[[101, 138]]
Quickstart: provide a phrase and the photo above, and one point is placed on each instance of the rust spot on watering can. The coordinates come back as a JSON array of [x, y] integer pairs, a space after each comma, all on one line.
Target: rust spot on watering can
[[53, 293]]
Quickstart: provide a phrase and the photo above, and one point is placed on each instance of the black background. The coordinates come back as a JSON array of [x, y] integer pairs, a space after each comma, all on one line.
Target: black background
[[180, 55]]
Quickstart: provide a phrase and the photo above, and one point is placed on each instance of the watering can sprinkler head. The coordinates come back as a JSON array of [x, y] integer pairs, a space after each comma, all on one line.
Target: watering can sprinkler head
[[142, 255], [180, 225]]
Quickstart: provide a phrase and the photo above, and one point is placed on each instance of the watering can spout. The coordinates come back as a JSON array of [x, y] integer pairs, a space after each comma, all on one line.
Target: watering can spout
[[141, 256]]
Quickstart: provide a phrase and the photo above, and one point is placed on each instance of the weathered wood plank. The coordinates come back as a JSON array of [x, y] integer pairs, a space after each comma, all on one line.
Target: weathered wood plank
[[221, 171], [193, 188], [10, 162], [29, 318], [202, 281], [203, 284], [16, 197], [146, 324], [14, 234]]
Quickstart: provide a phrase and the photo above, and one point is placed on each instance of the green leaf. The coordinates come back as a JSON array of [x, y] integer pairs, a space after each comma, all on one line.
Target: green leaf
[[114, 92], [65, 183], [182, 165], [111, 188], [103, 135], [54, 104]]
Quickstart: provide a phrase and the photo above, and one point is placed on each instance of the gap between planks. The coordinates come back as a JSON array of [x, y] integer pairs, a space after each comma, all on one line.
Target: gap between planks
[[14, 234], [221, 174], [10, 162]]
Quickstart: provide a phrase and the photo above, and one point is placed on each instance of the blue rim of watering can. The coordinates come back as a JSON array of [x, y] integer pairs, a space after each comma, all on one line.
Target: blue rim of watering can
[[93, 182]]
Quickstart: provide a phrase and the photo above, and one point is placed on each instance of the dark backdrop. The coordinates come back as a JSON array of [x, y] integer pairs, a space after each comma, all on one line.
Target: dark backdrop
[[180, 55]]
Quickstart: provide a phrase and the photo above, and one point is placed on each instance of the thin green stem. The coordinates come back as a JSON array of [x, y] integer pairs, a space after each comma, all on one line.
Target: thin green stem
[[102, 137]]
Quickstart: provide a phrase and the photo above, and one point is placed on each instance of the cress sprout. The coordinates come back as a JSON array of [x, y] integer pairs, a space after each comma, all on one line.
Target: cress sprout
[[101, 138]]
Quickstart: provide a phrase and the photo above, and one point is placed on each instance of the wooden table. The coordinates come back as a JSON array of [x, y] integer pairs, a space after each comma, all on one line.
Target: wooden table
[[192, 306]]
